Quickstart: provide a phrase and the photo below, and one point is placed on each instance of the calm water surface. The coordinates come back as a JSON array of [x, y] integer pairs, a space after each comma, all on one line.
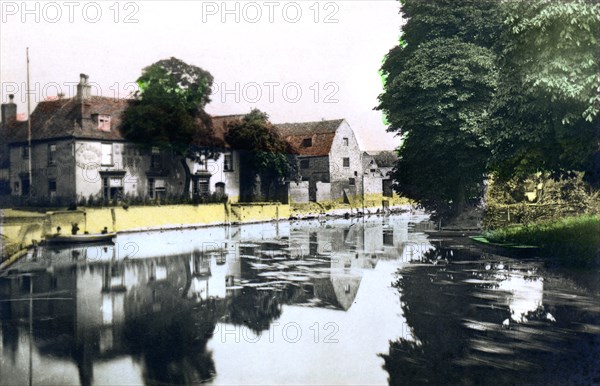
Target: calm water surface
[[369, 301]]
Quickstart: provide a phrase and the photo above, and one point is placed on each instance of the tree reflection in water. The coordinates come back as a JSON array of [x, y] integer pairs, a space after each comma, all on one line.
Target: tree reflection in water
[[455, 312], [172, 342], [255, 309]]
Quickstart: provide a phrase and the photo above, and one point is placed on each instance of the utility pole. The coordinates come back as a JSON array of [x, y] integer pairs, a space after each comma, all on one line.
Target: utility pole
[[29, 128]]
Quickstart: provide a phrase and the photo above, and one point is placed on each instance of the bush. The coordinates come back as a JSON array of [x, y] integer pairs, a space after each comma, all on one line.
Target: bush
[[568, 196], [573, 241]]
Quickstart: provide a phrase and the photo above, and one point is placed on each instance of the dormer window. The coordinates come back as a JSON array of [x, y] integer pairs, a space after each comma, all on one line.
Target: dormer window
[[307, 142], [103, 121]]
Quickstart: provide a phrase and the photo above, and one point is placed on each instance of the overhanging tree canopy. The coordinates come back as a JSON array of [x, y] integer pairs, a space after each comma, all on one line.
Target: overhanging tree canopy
[[263, 151], [440, 81], [168, 110], [546, 109]]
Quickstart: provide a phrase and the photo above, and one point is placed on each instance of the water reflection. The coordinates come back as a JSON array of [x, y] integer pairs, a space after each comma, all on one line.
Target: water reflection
[[485, 319], [334, 302], [146, 309]]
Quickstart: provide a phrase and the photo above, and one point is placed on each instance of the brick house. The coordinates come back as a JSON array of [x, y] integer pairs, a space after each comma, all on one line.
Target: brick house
[[78, 151], [329, 156]]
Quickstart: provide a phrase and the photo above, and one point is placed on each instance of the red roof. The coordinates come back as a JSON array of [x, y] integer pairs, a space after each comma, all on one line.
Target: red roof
[[320, 133]]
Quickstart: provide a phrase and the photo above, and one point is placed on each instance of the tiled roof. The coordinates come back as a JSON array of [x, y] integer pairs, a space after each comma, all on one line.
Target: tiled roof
[[321, 134], [220, 124], [61, 119]]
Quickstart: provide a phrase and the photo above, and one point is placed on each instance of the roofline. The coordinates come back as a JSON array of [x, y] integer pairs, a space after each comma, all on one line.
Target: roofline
[[227, 116], [54, 139], [307, 122]]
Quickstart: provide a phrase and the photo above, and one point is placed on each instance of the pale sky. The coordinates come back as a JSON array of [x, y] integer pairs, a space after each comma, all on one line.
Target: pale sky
[[290, 62]]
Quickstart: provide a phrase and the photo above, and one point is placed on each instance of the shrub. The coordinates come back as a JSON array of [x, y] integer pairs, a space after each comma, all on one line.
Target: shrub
[[572, 241]]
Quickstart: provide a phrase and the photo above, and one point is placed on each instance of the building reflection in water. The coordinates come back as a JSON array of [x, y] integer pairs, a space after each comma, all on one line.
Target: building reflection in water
[[101, 315]]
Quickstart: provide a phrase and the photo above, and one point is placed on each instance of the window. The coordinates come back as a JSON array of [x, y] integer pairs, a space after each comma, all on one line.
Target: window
[[25, 151], [346, 162], [345, 141], [307, 142], [201, 187], [228, 162], [352, 181], [107, 154], [155, 159], [157, 188], [52, 188], [304, 164], [52, 154], [103, 122]]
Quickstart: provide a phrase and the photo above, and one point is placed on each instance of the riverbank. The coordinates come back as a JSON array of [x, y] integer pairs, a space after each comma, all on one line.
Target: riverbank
[[21, 229], [337, 209], [571, 242]]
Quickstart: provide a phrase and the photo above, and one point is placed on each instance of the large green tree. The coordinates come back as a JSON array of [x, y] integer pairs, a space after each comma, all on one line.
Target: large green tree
[[264, 154], [439, 84], [168, 111], [545, 114]]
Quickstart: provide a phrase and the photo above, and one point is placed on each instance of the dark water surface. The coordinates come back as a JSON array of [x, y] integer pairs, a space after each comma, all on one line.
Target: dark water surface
[[369, 301]]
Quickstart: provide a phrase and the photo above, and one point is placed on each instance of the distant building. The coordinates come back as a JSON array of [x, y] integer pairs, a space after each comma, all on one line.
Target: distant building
[[372, 180], [330, 159], [78, 151]]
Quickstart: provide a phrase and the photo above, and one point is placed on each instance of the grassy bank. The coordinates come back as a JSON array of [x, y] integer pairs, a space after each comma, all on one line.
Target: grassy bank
[[572, 241]]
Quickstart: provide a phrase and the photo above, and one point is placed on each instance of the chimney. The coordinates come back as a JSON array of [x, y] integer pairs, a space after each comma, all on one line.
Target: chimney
[[84, 90], [9, 111]]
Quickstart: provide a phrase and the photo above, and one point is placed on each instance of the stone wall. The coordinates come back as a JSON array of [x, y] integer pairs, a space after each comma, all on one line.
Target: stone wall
[[323, 191], [345, 145], [299, 192]]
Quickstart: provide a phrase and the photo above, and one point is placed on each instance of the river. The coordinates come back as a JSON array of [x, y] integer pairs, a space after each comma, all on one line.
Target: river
[[362, 301]]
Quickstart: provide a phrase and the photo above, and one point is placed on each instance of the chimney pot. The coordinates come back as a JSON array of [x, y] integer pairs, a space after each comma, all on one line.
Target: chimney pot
[[84, 90]]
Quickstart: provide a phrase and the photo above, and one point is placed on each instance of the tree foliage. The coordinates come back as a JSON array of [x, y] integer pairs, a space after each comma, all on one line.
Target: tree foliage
[[504, 87], [168, 110], [386, 159], [263, 152], [546, 109], [440, 82]]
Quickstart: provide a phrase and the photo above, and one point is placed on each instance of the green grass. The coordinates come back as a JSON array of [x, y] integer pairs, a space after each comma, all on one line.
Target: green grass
[[572, 241]]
